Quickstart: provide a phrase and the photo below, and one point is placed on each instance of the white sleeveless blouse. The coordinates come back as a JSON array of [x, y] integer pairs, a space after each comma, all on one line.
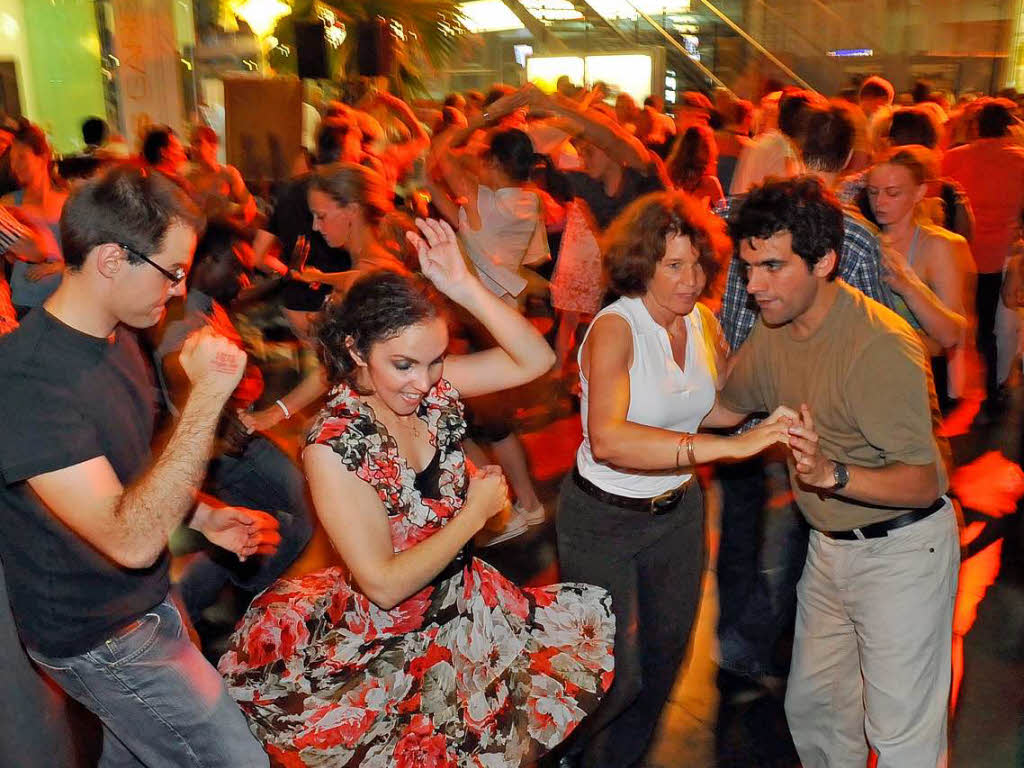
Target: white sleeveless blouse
[[660, 395]]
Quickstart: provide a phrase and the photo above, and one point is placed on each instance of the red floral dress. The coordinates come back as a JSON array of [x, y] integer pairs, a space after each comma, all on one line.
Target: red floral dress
[[471, 671]]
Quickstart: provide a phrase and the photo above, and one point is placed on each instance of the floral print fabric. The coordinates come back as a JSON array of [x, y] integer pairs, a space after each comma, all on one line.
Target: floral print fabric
[[577, 284], [471, 671]]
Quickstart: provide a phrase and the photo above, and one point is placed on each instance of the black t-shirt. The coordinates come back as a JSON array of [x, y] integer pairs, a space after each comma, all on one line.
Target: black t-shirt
[[292, 219], [65, 398], [605, 207]]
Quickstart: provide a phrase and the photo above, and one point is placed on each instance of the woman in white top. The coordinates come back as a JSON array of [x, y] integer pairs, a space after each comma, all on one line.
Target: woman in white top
[[630, 516], [500, 221]]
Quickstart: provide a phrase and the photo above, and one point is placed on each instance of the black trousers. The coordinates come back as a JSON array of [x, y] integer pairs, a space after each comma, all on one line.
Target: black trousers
[[652, 566], [761, 555], [986, 303]]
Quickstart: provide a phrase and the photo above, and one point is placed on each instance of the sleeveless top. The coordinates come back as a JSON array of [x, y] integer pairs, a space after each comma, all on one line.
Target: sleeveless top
[[24, 292], [899, 306], [511, 235], [660, 395]]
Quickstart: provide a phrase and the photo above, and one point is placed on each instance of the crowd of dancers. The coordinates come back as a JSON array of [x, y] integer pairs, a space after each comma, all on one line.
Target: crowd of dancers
[[772, 298]]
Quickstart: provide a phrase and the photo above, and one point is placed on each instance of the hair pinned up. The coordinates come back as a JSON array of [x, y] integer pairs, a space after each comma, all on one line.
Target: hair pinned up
[[378, 307]]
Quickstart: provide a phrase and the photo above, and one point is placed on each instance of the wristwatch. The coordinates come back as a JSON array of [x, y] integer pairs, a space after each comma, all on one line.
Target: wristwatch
[[841, 475]]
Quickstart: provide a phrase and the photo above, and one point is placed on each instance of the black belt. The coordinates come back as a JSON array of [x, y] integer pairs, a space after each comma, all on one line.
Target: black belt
[[656, 505], [878, 530]]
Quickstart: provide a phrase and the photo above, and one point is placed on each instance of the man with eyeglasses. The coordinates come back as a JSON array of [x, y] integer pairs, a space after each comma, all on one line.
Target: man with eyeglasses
[[85, 514]]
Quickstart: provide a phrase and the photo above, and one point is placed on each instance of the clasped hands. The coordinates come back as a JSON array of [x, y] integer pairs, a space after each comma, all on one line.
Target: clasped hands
[[797, 430]]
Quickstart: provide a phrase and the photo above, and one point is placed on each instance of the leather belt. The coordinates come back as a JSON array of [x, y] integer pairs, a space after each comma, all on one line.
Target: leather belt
[[661, 504], [878, 530]]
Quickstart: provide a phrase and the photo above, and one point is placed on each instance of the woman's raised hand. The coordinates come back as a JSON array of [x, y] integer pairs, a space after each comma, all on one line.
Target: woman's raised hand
[[440, 258]]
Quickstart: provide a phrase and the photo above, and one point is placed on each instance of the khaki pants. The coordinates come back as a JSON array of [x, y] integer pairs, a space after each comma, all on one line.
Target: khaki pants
[[871, 655]]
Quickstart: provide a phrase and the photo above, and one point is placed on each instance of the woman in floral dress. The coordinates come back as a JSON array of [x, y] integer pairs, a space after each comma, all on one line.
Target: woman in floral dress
[[419, 654]]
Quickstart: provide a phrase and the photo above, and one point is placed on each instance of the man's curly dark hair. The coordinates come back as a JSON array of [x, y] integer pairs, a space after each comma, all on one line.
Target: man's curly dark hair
[[802, 206]]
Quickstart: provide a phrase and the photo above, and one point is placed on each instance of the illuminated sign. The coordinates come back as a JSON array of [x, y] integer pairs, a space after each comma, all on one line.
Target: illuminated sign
[[544, 71], [844, 52], [624, 73]]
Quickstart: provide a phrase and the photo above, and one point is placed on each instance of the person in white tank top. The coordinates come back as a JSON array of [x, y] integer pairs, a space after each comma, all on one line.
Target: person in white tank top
[[629, 517]]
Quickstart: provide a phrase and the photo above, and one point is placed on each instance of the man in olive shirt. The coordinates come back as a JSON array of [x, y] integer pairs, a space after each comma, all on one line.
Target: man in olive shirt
[[874, 618]]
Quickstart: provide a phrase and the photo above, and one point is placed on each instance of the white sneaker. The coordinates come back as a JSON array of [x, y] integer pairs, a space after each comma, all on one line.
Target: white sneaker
[[516, 526], [534, 516]]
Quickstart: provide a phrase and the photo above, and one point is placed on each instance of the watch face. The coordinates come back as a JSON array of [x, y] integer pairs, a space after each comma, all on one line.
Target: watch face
[[841, 474]]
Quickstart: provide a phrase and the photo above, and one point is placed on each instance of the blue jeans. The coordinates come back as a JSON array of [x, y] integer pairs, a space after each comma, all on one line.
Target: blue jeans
[[160, 701], [261, 477], [760, 558]]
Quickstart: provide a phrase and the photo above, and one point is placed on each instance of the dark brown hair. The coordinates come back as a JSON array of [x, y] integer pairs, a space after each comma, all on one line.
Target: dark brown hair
[[126, 205], [692, 158], [378, 307], [635, 242], [32, 136]]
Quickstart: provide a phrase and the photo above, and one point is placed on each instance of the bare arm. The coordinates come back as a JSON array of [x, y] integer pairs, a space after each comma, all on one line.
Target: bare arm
[[942, 321], [498, 109], [131, 525], [620, 145], [444, 204], [263, 257], [240, 194], [521, 355], [35, 244], [1013, 284], [963, 219], [305, 392], [340, 280], [894, 485], [404, 155], [456, 173], [357, 524], [605, 362], [373, 260], [947, 278]]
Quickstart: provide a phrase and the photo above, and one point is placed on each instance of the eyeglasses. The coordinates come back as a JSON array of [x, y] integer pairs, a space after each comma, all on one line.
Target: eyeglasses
[[174, 277]]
